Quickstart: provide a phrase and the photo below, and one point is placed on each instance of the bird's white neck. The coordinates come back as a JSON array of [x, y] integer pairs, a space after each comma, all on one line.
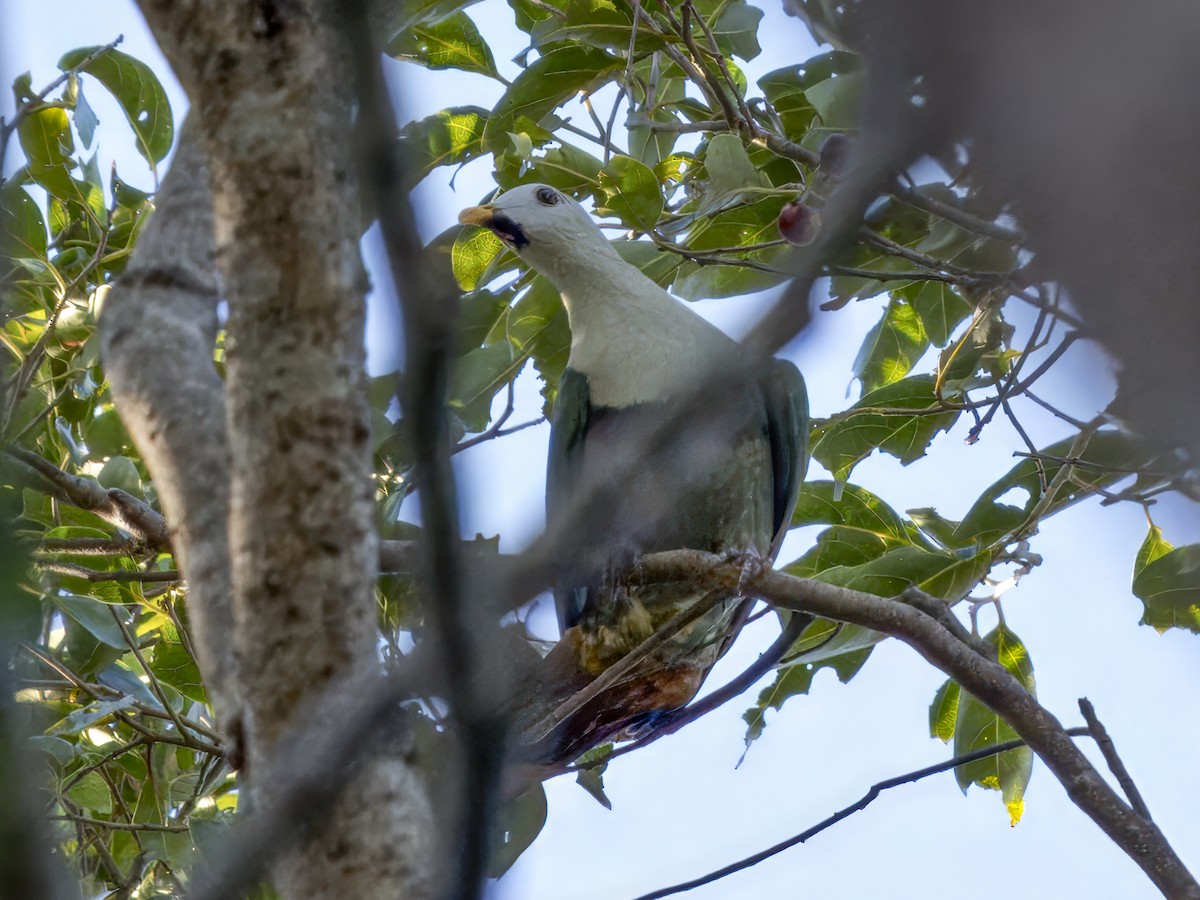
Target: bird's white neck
[[634, 341]]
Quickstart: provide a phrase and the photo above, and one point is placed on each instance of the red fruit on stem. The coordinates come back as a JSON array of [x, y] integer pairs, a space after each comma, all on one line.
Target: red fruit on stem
[[799, 224]]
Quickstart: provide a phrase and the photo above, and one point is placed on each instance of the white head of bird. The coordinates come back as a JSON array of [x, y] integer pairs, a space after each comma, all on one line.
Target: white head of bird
[[546, 228], [629, 336]]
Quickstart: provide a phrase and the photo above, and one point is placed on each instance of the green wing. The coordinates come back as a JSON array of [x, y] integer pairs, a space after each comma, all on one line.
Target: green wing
[[786, 400], [563, 474]]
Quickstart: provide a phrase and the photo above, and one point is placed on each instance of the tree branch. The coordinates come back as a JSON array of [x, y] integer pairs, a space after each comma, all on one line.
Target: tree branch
[[1115, 765], [174, 403], [984, 678], [862, 803]]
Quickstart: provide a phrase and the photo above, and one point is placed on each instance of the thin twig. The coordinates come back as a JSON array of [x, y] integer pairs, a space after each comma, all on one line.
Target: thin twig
[[1115, 765], [100, 575], [863, 802]]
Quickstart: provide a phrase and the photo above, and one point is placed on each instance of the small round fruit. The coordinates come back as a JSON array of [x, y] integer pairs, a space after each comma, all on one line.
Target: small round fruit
[[799, 223]]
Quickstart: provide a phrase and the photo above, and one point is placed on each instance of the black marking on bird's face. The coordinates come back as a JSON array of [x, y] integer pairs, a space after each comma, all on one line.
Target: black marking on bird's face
[[508, 231]]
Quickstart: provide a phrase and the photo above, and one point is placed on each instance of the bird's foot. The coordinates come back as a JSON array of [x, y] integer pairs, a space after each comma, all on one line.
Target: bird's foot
[[751, 563]]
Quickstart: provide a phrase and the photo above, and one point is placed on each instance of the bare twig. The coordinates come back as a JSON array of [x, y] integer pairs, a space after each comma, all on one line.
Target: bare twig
[[862, 803], [1115, 765], [118, 575]]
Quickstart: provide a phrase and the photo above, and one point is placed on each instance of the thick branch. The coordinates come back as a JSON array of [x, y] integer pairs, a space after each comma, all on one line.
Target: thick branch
[[984, 678], [269, 81]]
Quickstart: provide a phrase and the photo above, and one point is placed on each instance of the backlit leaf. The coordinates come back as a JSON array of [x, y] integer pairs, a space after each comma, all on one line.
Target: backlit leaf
[[1167, 580], [138, 92], [846, 442]]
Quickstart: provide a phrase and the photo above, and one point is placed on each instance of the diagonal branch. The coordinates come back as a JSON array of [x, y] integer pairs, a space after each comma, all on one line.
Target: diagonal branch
[[983, 677], [862, 803]]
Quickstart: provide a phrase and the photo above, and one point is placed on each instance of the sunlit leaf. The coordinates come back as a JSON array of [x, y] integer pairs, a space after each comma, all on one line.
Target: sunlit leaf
[[977, 727], [548, 82], [450, 43], [847, 441], [448, 137], [1167, 580], [892, 347], [138, 92]]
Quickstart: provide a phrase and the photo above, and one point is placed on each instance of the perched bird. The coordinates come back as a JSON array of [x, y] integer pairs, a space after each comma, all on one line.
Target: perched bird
[[632, 480]]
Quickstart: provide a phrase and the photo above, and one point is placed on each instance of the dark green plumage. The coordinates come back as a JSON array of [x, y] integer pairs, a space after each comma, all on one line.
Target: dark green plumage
[[722, 478]]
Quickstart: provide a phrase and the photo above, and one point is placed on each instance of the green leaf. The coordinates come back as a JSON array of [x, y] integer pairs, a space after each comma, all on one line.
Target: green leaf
[[1167, 580], [741, 226], [22, 228], [892, 347], [1110, 456], [93, 714], [649, 145], [795, 680], [95, 617], [517, 824], [591, 777], [939, 307], [571, 170], [846, 442], [174, 667], [538, 328], [736, 30], [473, 251], [827, 502], [416, 12], [45, 138], [450, 43], [541, 88], [943, 711], [599, 23], [787, 88], [91, 792], [84, 117], [449, 137], [977, 727], [946, 575], [632, 192], [658, 265], [836, 101], [842, 546], [137, 91], [728, 173], [121, 472]]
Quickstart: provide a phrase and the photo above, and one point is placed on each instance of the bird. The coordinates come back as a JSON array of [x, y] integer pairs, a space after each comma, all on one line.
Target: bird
[[636, 466]]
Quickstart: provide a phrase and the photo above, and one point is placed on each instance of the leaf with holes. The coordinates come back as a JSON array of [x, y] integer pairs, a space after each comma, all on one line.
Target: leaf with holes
[[138, 92]]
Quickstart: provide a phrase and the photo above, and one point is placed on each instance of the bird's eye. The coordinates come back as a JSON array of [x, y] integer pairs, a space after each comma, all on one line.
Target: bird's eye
[[548, 196]]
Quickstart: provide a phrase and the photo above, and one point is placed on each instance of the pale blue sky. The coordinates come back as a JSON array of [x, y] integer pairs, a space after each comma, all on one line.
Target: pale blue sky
[[680, 807]]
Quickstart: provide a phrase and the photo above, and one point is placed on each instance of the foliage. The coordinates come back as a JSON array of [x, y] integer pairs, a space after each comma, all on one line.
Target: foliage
[[696, 178]]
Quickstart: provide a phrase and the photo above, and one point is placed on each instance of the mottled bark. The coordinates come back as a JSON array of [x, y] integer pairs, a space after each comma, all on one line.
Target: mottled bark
[[266, 80], [158, 331]]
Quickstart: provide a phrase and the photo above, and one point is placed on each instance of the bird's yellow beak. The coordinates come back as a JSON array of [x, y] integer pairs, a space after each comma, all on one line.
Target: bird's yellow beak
[[477, 215]]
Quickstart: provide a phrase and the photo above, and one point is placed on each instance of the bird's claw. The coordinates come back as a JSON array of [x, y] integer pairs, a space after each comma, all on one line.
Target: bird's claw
[[751, 565]]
